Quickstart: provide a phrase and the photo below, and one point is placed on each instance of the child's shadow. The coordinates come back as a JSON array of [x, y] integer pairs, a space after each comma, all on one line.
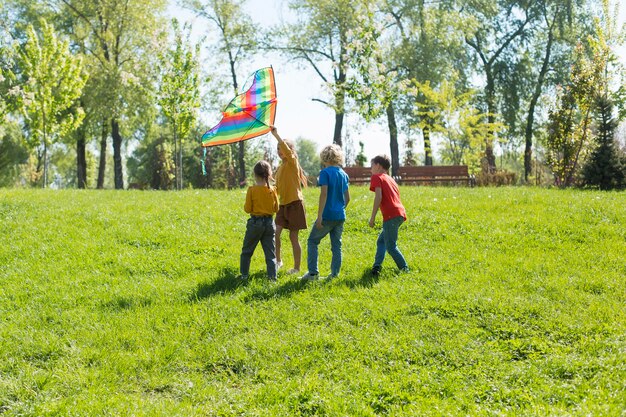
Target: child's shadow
[[226, 282], [276, 290], [367, 280]]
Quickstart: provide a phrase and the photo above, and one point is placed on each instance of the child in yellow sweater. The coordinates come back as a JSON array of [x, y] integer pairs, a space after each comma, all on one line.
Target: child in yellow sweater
[[291, 214], [261, 203]]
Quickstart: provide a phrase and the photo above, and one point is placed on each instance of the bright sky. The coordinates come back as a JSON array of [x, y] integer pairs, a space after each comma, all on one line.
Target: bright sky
[[297, 115]]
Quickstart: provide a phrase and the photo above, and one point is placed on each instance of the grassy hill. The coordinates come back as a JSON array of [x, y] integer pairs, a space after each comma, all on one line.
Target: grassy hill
[[124, 303]]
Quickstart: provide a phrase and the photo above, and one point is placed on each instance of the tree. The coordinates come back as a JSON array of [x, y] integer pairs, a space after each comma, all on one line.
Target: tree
[[453, 116], [119, 40], [494, 28], [179, 94], [237, 41], [553, 18], [320, 38], [417, 51], [589, 90], [52, 79], [570, 122], [604, 167], [308, 156]]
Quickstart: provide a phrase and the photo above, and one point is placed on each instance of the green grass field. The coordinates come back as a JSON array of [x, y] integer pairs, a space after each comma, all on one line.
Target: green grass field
[[125, 303]]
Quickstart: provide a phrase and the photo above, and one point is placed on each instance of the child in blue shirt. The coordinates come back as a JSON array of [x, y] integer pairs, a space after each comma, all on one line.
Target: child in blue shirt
[[331, 213]]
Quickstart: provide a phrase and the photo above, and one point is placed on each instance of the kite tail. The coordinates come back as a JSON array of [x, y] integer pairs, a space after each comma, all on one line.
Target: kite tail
[[203, 162]]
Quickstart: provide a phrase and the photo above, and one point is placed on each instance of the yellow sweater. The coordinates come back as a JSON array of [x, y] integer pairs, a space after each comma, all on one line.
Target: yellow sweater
[[288, 177], [261, 201]]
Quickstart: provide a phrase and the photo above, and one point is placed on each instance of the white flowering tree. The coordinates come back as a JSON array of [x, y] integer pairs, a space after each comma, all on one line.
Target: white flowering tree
[[179, 93], [52, 79]]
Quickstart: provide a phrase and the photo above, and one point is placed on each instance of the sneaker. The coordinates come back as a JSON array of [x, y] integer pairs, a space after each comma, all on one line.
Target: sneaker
[[293, 271], [376, 271], [272, 280], [405, 270], [242, 277], [279, 264], [309, 277], [331, 276]]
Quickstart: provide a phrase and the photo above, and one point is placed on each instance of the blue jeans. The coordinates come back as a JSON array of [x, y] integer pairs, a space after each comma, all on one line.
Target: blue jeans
[[259, 229], [388, 242], [335, 228]]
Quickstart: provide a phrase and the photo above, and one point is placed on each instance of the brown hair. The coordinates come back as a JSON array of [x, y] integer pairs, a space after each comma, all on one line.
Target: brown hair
[[263, 169], [301, 175], [383, 161]]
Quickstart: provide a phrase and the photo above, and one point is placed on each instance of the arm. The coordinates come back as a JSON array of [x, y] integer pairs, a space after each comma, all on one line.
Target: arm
[[247, 207], [377, 199], [275, 205], [322, 204], [275, 134], [346, 197]]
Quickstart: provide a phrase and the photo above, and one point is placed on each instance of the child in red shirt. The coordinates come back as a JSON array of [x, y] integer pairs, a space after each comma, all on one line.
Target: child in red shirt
[[387, 198]]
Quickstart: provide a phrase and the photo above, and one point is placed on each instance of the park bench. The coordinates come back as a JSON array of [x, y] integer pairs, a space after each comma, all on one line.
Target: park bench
[[427, 175], [435, 174], [359, 175]]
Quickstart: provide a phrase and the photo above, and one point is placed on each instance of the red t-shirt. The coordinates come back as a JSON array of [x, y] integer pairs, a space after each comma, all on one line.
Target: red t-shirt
[[390, 205]]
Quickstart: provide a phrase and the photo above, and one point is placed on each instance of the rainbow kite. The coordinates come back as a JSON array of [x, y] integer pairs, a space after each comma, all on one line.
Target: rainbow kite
[[248, 115]]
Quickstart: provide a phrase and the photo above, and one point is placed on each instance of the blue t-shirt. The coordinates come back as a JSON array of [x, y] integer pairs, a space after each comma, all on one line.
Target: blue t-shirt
[[337, 181]]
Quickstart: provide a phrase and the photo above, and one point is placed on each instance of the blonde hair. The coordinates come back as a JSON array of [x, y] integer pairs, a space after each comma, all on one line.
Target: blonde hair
[[301, 175], [332, 155]]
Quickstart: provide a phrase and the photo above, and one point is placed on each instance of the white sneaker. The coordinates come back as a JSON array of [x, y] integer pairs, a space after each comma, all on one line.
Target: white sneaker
[[293, 271], [279, 265], [309, 277]]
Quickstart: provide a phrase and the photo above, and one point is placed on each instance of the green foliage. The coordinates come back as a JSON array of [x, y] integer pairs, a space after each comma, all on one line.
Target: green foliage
[[179, 94], [308, 156], [361, 159], [604, 167], [51, 81], [570, 123], [13, 153], [464, 129], [514, 306]]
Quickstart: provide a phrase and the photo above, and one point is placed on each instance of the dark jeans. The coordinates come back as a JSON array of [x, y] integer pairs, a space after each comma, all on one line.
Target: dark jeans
[[387, 242], [259, 229]]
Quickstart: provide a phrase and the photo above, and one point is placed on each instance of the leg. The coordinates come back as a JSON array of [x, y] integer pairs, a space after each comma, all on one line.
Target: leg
[[380, 249], [250, 240], [335, 247], [267, 243], [312, 243], [279, 229], [297, 250], [390, 229]]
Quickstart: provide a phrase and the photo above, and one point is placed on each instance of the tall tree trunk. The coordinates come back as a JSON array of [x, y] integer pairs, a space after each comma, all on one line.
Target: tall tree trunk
[[117, 154], [338, 128], [103, 155], [490, 93], [528, 153], [393, 139], [242, 164], [428, 150], [81, 160], [340, 102], [45, 163]]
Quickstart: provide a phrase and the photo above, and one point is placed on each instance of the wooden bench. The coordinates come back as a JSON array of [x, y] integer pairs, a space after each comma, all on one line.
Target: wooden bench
[[359, 175], [433, 174]]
